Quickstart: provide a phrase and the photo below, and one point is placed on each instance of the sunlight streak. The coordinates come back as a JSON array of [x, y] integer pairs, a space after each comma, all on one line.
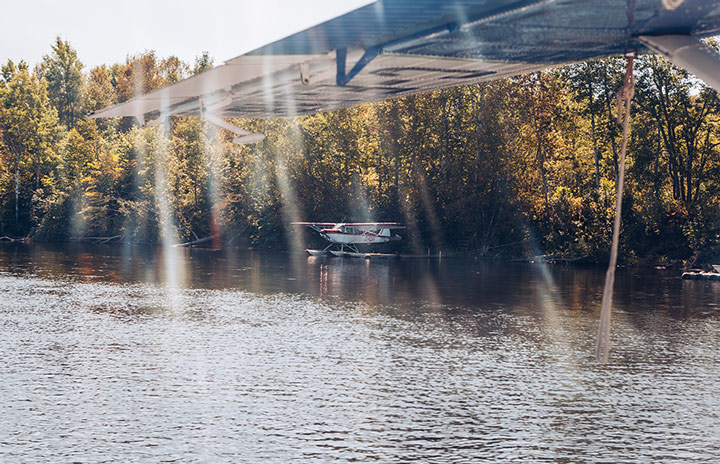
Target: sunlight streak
[[360, 206], [213, 165], [429, 210], [288, 197]]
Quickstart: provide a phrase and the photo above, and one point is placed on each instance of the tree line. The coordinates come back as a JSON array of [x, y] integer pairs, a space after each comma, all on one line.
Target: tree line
[[525, 165]]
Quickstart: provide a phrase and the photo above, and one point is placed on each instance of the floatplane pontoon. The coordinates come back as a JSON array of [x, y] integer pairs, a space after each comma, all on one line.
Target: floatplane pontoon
[[350, 235]]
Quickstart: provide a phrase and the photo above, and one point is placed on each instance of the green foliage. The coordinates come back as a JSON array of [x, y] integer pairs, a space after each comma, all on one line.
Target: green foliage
[[30, 134], [523, 165], [99, 92], [62, 70], [202, 63]]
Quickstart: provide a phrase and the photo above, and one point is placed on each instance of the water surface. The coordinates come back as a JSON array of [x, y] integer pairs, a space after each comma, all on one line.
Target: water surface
[[120, 354]]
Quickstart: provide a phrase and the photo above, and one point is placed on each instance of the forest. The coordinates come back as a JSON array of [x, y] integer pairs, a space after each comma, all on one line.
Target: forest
[[516, 167]]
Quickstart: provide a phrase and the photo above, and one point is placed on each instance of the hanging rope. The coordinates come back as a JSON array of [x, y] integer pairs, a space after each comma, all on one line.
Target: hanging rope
[[625, 97]]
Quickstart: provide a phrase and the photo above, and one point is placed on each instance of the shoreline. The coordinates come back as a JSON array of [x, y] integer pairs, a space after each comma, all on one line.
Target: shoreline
[[658, 263]]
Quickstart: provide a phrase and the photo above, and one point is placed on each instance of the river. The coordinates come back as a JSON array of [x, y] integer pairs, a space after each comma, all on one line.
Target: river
[[126, 354]]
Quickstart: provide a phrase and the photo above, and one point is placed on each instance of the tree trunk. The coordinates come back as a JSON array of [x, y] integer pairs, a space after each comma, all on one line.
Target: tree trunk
[[656, 170], [541, 157], [380, 177], [17, 192], [609, 100], [595, 151], [397, 175], [541, 160], [37, 171]]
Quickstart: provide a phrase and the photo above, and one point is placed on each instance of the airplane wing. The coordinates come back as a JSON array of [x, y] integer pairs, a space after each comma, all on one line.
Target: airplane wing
[[311, 224], [375, 225], [394, 48], [357, 225]]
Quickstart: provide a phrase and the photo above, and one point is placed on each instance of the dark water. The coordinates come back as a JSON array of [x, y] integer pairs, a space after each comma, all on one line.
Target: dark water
[[113, 354]]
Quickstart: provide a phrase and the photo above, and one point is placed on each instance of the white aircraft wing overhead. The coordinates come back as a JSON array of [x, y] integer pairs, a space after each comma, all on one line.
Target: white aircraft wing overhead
[[393, 48]]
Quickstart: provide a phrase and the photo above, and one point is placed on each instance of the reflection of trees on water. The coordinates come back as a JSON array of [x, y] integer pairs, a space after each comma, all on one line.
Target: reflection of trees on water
[[556, 305]]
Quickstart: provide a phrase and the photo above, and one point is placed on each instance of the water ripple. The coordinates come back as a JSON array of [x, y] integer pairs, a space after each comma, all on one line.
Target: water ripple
[[127, 371]]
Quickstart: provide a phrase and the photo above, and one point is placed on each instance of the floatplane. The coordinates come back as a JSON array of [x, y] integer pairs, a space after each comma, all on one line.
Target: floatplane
[[351, 234]]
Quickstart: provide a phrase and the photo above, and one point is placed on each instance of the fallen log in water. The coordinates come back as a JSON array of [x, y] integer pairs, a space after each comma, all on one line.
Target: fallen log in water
[[554, 259], [5, 238], [196, 242], [97, 239]]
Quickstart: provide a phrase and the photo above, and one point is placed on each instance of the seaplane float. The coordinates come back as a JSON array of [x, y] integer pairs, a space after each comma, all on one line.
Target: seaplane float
[[351, 234]]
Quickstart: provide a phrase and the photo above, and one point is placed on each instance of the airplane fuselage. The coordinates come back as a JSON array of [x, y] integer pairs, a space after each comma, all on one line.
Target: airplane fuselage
[[355, 237], [355, 233]]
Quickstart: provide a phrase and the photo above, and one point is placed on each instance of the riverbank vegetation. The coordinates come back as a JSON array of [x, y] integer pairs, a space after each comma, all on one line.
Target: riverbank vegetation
[[519, 166]]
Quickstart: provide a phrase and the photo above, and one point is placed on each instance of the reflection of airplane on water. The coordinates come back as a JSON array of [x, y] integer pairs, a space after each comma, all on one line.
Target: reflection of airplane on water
[[352, 234]]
